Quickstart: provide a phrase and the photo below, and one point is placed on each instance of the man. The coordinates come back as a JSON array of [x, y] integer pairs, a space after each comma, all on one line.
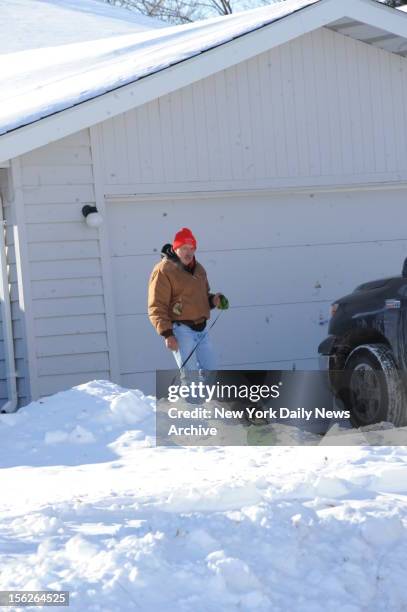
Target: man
[[179, 303]]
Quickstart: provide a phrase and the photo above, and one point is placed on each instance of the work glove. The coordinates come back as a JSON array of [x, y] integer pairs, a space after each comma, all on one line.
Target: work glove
[[223, 302]]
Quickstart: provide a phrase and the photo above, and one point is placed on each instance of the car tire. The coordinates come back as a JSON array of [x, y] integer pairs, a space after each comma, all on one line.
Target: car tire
[[373, 389]]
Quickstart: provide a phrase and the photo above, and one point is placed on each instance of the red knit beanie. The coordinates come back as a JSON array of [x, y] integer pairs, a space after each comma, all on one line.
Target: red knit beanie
[[184, 236]]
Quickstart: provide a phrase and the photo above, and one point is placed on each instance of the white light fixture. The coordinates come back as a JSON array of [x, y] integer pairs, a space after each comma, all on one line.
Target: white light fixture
[[92, 216]]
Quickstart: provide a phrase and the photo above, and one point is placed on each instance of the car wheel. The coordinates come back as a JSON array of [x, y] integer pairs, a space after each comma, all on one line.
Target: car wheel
[[373, 389]]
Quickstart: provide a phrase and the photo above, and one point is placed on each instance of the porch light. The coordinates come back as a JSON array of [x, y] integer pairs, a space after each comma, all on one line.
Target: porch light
[[92, 216]]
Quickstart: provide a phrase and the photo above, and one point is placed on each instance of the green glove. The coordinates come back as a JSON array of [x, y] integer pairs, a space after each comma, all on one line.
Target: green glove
[[223, 303]]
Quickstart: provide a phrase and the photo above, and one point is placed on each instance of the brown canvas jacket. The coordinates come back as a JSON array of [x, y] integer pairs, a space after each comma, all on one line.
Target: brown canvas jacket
[[174, 294]]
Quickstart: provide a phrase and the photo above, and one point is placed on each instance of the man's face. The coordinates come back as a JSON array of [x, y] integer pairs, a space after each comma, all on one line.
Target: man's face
[[186, 253]]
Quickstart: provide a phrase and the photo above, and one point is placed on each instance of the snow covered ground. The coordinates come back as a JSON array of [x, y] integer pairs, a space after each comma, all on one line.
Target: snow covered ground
[[90, 505]]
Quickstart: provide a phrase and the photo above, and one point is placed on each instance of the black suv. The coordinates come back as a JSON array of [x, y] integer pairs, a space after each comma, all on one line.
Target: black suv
[[366, 351]]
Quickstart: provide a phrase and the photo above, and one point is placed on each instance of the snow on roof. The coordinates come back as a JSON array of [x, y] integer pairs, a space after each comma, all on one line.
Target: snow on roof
[[41, 82], [30, 24]]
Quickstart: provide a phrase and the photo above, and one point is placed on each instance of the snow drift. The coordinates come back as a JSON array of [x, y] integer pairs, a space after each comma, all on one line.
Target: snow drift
[[90, 505]]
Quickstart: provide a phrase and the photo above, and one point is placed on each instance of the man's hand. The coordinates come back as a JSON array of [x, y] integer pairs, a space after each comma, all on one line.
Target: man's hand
[[220, 301], [216, 299], [171, 343]]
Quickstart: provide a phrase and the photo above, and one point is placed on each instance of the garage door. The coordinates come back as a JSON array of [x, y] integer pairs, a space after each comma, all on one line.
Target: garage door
[[281, 259]]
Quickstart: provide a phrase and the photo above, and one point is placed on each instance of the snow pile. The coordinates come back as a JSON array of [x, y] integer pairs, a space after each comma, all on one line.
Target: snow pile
[[90, 505], [84, 424], [130, 407]]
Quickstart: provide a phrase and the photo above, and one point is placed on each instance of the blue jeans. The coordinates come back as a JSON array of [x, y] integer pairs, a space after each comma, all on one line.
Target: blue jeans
[[203, 357]]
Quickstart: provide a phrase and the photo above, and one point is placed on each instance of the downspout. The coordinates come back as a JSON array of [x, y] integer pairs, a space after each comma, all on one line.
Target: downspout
[[11, 374]]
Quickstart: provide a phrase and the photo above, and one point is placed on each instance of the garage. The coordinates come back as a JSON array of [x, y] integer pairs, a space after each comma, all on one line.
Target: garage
[[280, 268], [280, 138]]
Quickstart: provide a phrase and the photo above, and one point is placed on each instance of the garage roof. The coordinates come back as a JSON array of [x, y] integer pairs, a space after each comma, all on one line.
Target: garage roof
[[38, 85]]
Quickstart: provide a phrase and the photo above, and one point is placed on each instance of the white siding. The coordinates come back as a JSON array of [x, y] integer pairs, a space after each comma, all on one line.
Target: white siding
[[280, 259], [322, 109], [18, 323], [64, 265]]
